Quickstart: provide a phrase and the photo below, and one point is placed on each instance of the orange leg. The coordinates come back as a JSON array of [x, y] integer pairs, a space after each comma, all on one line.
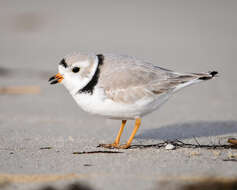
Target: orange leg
[[117, 140], [136, 127]]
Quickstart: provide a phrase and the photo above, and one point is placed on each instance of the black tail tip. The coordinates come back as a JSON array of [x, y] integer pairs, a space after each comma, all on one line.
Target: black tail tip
[[213, 73], [210, 75]]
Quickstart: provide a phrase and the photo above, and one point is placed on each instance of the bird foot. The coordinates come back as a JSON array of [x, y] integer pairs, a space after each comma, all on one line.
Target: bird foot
[[110, 146], [124, 146], [114, 146]]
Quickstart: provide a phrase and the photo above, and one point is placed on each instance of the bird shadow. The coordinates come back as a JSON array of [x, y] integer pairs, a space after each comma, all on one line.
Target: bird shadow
[[189, 130]]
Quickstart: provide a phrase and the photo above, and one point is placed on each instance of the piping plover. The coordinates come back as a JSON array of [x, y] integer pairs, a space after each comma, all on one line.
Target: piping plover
[[120, 87]]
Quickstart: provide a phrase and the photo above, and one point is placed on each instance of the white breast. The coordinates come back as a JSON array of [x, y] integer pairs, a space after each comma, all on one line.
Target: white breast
[[97, 103]]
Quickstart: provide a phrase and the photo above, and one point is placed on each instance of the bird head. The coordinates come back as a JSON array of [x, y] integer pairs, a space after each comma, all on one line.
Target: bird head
[[75, 71]]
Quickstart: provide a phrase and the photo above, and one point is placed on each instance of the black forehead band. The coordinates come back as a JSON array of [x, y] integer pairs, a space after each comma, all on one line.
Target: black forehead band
[[63, 63]]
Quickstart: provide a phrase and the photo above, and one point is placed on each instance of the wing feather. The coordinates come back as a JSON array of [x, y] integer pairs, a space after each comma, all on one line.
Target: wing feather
[[127, 79]]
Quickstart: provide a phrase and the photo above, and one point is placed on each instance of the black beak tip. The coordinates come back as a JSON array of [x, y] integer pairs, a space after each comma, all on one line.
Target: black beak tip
[[51, 78], [54, 82]]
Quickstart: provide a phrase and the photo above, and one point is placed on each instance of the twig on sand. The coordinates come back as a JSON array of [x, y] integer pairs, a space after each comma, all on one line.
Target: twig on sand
[[46, 148], [230, 159], [179, 144], [98, 152]]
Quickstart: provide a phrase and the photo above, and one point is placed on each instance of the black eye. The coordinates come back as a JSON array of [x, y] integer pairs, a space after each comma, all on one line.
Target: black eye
[[75, 69]]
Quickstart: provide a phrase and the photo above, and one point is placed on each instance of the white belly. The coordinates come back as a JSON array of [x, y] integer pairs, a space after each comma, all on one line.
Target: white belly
[[99, 104]]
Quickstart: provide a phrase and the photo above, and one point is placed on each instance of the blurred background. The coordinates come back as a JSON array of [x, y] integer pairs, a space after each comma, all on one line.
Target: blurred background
[[184, 35], [181, 35]]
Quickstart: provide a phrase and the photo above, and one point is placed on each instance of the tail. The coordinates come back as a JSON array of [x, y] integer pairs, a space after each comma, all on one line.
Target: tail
[[185, 80], [206, 76]]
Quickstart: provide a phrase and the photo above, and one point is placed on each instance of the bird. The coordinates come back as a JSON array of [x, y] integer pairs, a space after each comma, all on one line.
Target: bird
[[120, 87]]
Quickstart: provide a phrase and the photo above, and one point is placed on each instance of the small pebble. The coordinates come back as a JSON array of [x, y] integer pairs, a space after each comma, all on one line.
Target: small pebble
[[70, 138], [169, 147]]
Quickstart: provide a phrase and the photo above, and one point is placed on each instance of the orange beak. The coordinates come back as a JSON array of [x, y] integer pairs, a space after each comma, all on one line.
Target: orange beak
[[56, 79]]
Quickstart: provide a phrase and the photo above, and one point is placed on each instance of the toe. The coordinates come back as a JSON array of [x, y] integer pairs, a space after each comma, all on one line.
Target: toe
[[124, 146], [110, 146]]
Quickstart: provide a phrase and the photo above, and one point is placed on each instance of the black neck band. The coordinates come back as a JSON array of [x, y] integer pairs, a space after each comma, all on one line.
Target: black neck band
[[89, 88]]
